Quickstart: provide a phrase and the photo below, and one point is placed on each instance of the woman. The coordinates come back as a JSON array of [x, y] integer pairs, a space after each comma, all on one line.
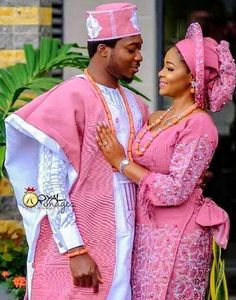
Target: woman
[[175, 223]]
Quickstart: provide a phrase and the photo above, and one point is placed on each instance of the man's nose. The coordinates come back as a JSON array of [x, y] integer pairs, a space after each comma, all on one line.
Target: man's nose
[[139, 56]]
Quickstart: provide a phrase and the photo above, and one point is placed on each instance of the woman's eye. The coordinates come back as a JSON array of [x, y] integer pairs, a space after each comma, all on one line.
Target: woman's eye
[[170, 69]]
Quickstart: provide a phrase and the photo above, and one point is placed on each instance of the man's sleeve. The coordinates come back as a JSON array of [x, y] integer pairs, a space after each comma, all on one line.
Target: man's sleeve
[[52, 178]]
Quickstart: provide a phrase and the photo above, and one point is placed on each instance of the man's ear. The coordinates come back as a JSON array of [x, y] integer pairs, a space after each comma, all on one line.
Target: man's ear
[[102, 50]]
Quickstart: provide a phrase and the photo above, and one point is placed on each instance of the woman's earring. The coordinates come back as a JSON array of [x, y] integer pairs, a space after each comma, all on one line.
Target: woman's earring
[[192, 88]]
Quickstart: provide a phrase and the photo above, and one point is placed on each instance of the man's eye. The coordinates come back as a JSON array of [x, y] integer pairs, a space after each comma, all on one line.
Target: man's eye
[[131, 51]]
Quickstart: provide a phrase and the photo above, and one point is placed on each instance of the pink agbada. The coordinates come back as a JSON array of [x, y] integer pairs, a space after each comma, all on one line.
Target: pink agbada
[[175, 223], [70, 116]]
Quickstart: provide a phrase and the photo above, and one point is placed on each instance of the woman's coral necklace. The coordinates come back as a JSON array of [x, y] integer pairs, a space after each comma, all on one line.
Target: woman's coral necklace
[[109, 116], [140, 149]]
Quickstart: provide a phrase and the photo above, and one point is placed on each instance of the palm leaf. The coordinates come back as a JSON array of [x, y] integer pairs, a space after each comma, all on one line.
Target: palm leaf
[[43, 83], [56, 44], [123, 83], [44, 52], [218, 286], [30, 58], [8, 79], [2, 133]]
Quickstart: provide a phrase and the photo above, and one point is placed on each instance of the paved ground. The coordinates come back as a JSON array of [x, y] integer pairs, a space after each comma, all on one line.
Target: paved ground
[[4, 296]]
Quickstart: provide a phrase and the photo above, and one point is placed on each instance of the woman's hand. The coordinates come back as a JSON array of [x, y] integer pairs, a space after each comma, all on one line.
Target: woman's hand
[[110, 147]]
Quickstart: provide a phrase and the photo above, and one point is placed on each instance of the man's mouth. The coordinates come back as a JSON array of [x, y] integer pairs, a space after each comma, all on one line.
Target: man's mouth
[[135, 68]]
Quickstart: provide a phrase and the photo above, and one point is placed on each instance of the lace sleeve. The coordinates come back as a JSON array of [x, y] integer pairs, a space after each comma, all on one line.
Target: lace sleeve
[[191, 157], [52, 184]]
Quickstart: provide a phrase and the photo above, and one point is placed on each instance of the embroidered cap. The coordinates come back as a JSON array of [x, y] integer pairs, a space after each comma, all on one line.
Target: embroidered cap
[[112, 21]]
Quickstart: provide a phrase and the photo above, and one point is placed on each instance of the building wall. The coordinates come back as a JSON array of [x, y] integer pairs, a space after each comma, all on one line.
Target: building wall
[[22, 21], [75, 31]]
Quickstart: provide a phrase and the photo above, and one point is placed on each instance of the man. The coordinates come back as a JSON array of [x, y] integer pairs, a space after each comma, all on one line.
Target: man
[[82, 251]]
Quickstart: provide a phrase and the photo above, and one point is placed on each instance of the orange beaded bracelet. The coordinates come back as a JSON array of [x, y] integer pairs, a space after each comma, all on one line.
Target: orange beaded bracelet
[[77, 252]]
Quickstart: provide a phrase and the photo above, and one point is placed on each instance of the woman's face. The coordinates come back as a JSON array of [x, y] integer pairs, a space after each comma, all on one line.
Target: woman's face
[[174, 78]]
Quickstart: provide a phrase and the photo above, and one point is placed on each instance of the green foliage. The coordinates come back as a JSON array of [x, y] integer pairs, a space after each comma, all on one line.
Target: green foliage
[[13, 254], [122, 82], [218, 286]]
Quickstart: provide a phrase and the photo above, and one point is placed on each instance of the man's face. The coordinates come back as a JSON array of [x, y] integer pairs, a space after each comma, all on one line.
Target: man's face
[[124, 59]]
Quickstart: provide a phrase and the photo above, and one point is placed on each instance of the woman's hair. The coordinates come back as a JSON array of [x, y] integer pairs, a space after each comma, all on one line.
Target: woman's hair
[[93, 45]]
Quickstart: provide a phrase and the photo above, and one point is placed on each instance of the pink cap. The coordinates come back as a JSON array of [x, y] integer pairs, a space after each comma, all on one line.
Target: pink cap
[[112, 21]]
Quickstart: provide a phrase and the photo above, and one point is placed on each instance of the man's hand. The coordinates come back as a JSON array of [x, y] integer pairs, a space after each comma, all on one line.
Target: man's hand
[[85, 272]]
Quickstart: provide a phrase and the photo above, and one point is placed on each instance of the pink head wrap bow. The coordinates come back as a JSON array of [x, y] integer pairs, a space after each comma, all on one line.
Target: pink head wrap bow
[[212, 66], [112, 21]]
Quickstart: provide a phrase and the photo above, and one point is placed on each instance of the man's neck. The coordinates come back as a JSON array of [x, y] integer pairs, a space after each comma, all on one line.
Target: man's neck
[[100, 76]]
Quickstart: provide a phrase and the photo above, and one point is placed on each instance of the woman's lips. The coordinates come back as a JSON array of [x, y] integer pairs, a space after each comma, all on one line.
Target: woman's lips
[[162, 84]]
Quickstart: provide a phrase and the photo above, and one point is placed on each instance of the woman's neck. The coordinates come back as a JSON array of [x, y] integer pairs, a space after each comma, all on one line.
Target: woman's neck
[[181, 104]]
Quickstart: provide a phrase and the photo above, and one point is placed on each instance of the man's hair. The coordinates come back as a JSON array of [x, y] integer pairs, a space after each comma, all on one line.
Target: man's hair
[[93, 45]]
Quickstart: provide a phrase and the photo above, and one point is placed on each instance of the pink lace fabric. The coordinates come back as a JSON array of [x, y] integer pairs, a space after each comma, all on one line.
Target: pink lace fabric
[[194, 32], [188, 162], [174, 222], [155, 252], [223, 87]]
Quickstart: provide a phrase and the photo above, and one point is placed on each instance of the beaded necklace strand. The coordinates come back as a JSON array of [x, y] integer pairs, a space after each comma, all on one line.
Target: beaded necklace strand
[[140, 149], [109, 116]]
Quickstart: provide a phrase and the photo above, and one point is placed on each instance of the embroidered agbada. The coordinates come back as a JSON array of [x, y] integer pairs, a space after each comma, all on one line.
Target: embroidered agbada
[[175, 223], [73, 138]]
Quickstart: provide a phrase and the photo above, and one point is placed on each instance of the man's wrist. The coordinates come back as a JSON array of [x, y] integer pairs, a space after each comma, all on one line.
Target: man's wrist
[[76, 249]]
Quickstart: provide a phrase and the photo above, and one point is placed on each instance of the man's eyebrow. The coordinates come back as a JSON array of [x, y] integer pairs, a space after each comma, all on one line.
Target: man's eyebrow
[[134, 44]]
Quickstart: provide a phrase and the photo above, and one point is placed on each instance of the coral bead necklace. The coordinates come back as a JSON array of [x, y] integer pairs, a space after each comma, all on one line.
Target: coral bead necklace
[[140, 149], [109, 116]]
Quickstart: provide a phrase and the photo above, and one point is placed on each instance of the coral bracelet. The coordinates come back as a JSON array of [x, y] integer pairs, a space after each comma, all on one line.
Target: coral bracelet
[[77, 252]]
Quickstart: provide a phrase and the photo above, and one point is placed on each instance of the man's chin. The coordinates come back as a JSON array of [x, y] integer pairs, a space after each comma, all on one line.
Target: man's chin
[[127, 79]]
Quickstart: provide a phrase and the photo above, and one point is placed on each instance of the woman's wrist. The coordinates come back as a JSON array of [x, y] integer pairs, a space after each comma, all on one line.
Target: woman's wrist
[[123, 164], [117, 162]]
